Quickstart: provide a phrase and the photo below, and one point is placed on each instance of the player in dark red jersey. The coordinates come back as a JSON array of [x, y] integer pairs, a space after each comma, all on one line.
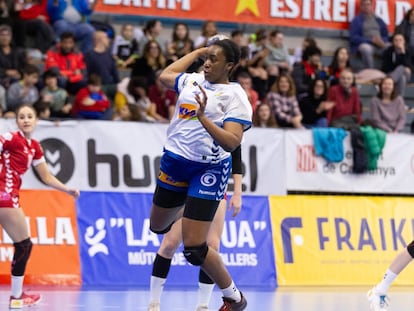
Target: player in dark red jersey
[[18, 151]]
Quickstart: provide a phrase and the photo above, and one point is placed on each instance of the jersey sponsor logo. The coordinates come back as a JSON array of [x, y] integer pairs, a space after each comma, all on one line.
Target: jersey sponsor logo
[[168, 180], [208, 179], [187, 112]]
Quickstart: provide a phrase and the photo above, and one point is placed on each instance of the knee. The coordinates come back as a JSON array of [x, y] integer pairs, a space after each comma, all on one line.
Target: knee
[[168, 247], [22, 252], [196, 254], [366, 49]]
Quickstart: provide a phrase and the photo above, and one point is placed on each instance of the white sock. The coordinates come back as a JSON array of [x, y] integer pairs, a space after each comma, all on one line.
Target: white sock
[[232, 292], [156, 288], [384, 285], [16, 286], [204, 293]]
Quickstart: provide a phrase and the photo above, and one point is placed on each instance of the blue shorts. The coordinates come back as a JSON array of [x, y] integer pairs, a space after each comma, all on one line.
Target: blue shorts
[[200, 180]]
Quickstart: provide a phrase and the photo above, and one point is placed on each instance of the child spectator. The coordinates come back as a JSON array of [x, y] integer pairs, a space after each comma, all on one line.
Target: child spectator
[[163, 98], [42, 109], [264, 117], [125, 46], [91, 102], [129, 112], [57, 97], [245, 81], [24, 91]]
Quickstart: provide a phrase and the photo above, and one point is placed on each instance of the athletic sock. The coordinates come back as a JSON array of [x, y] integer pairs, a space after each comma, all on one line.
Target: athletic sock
[[204, 293], [232, 292], [384, 285], [17, 286]]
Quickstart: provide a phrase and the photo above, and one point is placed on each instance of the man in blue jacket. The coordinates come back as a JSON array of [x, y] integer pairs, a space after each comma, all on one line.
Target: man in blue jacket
[[72, 16], [368, 34]]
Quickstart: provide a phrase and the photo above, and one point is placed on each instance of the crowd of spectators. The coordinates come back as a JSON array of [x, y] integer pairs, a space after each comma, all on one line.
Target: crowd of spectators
[[52, 56]]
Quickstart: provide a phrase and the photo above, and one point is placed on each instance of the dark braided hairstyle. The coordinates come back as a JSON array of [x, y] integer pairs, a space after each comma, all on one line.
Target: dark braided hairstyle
[[231, 51]]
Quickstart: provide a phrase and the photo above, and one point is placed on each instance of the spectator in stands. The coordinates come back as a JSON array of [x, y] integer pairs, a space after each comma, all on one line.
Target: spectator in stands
[[42, 109], [277, 58], [282, 99], [339, 62], [149, 63], [125, 47], [72, 16], [35, 22], [397, 62], [24, 91], [8, 16], [180, 43], [12, 59], [264, 116], [208, 29], [135, 91], [163, 98], [346, 113], [3, 100], [245, 81], [68, 63], [315, 105], [128, 112], [57, 97], [307, 70], [237, 36], [406, 27], [388, 108], [152, 32], [368, 34], [298, 55], [91, 102], [99, 61]]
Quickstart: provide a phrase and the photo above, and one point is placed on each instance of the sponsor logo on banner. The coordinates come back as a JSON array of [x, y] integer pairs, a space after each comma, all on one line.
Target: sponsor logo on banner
[[127, 241], [306, 159], [346, 240]]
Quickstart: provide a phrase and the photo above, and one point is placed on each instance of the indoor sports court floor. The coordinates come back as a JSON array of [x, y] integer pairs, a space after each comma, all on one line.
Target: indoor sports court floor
[[283, 299]]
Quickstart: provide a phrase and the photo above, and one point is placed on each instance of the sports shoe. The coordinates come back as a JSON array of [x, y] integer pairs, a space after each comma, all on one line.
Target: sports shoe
[[154, 306], [25, 300], [377, 302], [202, 308], [232, 305]]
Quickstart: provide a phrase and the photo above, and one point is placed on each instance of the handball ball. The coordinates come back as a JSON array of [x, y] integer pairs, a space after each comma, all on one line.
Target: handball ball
[[215, 38]]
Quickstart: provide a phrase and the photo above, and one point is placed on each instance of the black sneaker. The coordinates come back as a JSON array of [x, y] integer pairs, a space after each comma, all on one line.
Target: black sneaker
[[231, 305]]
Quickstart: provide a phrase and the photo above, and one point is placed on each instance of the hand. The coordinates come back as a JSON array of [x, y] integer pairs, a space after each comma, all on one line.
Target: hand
[[297, 121], [377, 40], [67, 108], [73, 192], [202, 102], [235, 204], [88, 101], [327, 105]]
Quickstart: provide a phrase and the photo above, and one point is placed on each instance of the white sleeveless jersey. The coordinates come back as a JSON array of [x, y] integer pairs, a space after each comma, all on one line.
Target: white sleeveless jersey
[[186, 136]]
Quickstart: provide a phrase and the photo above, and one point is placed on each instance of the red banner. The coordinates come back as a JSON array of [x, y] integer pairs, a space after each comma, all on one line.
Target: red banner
[[325, 14], [51, 216]]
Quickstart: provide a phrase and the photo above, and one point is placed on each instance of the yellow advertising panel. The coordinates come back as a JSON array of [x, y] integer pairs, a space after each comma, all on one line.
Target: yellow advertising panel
[[340, 240]]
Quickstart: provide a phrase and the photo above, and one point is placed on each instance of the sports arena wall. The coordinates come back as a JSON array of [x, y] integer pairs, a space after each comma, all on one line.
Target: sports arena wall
[[103, 238]]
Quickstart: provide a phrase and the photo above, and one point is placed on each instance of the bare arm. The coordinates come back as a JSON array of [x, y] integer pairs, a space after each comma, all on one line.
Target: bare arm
[[52, 181], [170, 73]]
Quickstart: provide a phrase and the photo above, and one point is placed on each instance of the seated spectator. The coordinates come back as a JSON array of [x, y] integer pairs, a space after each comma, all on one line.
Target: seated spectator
[[91, 102], [128, 112], [388, 108], [12, 59], [57, 97], [339, 62], [397, 63], [180, 43], [237, 36], [152, 32], [208, 29], [406, 27], [368, 34], [42, 109], [277, 58], [3, 100], [307, 70], [346, 113], [125, 47], [245, 81], [298, 55], [99, 61], [135, 91], [282, 99], [163, 98], [9, 16], [35, 22], [24, 91], [315, 105], [72, 16], [149, 63], [264, 116], [68, 63]]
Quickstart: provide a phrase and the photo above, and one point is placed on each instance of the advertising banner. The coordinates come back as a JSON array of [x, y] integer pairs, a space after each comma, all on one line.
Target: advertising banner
[[124, 156], [324, 14], [322, 240], [51, 218], [307, 172], [117, 247]]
